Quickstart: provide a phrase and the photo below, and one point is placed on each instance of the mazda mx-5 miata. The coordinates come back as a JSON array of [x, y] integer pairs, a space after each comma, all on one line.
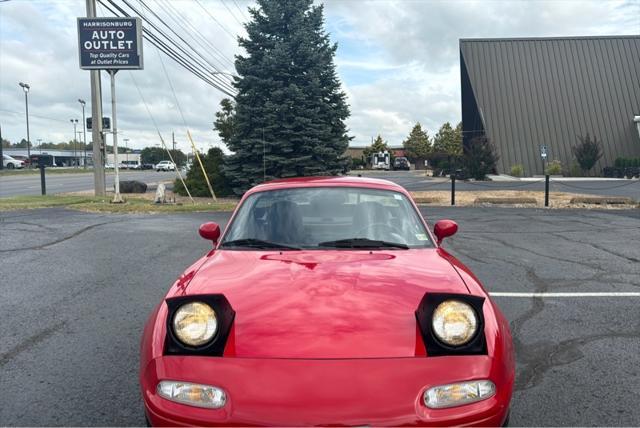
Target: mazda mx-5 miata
[[327, 301]]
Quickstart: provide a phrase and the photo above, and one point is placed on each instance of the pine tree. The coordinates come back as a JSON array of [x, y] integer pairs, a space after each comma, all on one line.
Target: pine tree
[[417, 145], [378, 145], [290, 109], [448, 140]]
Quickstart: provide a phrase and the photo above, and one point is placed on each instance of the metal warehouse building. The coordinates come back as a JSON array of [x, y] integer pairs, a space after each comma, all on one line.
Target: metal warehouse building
[[524, 93]]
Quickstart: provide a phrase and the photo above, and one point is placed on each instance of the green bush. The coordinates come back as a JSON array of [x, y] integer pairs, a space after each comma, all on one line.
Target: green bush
[[554, 168], [357, 163], [480, 157], [517, 170], [627, 162], [575, 170], [195, 181]]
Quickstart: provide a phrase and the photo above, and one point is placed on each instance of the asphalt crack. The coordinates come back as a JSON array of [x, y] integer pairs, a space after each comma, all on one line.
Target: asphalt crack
[[596, 246], [58, 241], [540, 358], [30, 342]]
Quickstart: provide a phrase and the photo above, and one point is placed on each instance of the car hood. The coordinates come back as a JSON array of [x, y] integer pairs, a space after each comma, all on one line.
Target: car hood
[[324, 304]]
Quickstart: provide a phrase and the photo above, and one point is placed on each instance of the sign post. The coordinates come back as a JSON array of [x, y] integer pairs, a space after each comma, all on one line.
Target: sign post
[[111, 44], [544, 155]]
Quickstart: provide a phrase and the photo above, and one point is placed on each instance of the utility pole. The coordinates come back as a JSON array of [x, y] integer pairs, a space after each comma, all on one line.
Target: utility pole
[[117, 199], [25, 87], [74, 122], [40, 144], [126, 150], [96, 112], [84, 130], [173, 138]]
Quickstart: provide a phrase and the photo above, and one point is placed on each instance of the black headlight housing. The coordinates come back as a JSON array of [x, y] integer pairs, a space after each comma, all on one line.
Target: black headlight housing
[[424, 315], [224, 314]]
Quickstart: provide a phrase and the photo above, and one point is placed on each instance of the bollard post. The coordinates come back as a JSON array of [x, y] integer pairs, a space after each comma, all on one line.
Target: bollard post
[[546, 190], [453, 189], [43, 184]]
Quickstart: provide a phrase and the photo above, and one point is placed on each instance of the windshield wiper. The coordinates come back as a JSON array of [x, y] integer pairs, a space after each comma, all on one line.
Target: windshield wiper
[[362, 243], [257, 243]]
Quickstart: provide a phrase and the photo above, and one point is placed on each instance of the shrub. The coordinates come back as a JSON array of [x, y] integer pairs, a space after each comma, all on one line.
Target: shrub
[[517, 170], [195, 181], [627, 162], [480, 157], [587, 152], [575, 170], [554, 168]]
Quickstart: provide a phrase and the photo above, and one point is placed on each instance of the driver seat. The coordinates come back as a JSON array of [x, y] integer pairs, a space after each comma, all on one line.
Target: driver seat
[[368, 213], [284, 223]]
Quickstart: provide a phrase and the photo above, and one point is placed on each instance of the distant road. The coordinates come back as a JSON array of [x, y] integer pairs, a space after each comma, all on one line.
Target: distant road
[[16, 185], [414, 181], [29, 184]]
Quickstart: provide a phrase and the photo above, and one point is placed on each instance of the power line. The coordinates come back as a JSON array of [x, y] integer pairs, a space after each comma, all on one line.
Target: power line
[[170, 47], [176, 33], [174, 13], [241, 12], [198, 59], [159, 134], [230, 12], [33, 115], [215, 20]]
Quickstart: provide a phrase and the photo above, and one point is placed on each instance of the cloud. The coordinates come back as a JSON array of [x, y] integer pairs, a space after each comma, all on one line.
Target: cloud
[[417, 41], [398, 61]]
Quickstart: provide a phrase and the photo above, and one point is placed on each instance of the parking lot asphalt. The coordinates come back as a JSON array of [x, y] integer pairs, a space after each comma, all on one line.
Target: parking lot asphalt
[[77, 288]]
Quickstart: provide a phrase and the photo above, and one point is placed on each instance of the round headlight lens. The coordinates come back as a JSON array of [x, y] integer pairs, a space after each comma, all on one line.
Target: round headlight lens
[[454, 322], [195, 323]]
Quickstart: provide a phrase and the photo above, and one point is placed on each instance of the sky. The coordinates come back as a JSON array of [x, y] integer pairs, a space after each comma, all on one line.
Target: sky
[[398, 62]]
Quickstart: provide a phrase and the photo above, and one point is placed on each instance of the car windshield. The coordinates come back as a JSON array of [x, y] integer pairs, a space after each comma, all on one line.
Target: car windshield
[[328, 217]]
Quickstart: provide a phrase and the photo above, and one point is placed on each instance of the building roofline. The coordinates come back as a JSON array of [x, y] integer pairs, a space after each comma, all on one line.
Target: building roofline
[[533, 39]]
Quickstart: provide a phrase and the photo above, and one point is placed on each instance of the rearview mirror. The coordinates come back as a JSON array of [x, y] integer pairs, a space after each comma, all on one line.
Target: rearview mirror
[[445, 228], [210, 231]]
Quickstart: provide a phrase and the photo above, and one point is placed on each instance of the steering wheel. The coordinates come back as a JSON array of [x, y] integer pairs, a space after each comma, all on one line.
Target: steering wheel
[[393, 229]]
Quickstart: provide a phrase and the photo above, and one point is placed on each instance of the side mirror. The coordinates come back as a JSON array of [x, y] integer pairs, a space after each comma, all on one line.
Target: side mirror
[[445, 228], [210, 231]]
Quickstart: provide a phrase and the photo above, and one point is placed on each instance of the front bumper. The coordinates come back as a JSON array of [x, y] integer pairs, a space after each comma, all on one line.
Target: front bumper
[[287, 392]]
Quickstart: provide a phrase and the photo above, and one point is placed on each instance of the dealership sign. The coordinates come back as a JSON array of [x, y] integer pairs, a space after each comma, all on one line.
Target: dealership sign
[[110, 43]]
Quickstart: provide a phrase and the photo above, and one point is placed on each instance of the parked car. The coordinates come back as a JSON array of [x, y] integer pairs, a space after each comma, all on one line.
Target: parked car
[[297, 316], [401, 163], [131, 164], [108, 166], [10, 162], [165, 166], [381, 160], [22, 158], [147, 166]]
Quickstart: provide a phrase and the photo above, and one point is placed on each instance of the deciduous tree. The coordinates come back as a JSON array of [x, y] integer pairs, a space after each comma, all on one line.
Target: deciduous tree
[[587, 152]]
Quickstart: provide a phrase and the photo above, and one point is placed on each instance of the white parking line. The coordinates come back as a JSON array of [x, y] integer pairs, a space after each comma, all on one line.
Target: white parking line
[[567, 294]]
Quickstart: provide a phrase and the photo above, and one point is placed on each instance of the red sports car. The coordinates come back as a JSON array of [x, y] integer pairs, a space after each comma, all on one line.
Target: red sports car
[[327, 301]]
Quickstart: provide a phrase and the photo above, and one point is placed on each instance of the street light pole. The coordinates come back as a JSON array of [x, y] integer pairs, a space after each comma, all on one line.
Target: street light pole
[[84, 130], [74, 122], [126, 150], [25, 87], [40, 144]]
